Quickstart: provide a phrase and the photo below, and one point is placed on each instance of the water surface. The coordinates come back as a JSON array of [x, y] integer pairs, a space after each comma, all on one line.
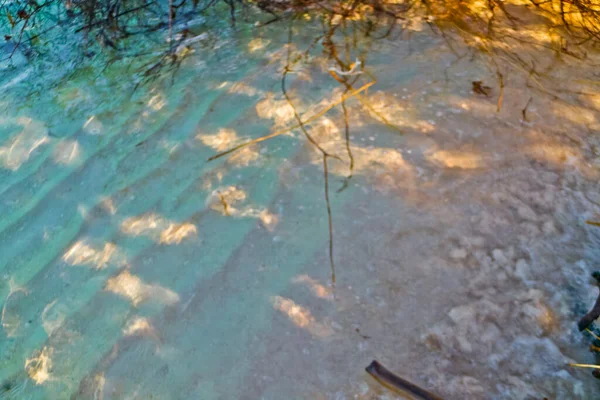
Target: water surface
[[134, 268]]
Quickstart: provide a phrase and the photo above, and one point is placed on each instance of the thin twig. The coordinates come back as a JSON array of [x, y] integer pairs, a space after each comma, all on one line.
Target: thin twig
[[116, 16], [364, 101], [584, 366], [12, 53], [501, 96], [524, 111], [297, 117], [296, 126], [224, 203], [324, 153], [171, 22], [348, 148], [592, 333], [394, 382], [329, 218]]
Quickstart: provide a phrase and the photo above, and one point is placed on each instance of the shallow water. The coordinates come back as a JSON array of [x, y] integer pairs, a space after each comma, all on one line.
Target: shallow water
[[134, 268]]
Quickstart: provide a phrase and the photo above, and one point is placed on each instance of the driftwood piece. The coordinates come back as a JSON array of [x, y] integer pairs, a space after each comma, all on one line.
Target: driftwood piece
[[394, 382]]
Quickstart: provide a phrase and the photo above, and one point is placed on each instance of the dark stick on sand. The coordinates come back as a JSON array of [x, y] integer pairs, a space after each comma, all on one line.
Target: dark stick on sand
[[594, 313], [394, 382]]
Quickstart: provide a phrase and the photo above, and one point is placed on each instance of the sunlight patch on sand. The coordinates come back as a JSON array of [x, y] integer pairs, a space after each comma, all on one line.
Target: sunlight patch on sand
[[11, 323], [300, 316], [315, 287], [559, 151], [176, 233], [135, 290], [575, 114], [157, 102], [99, 383], [19, 149], [141, 327], [38, 367], [227, 201], [456, 159], [223, 200], [66, 152], [53, 317], [225, 139], [387, 106], [109, 205], [159, 229], [221, 141], [369, 161], [257, 44], [137, 326], [244, 157], [554, 153], [93, 126], [278, 110], [268, 219], [243, 88], [82, 253]]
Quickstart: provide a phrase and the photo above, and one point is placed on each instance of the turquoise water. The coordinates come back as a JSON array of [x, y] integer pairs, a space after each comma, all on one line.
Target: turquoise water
[[134, 268]]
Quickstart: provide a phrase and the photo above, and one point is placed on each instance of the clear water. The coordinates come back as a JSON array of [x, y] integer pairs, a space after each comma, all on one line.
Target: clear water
[[133, 268]]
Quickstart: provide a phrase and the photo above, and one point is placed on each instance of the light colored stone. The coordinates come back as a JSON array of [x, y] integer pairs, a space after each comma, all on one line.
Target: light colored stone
[[462, 314], [522, 270], [548, 227], [464, 344], [458, 254], [527, 213], [499, 257]]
